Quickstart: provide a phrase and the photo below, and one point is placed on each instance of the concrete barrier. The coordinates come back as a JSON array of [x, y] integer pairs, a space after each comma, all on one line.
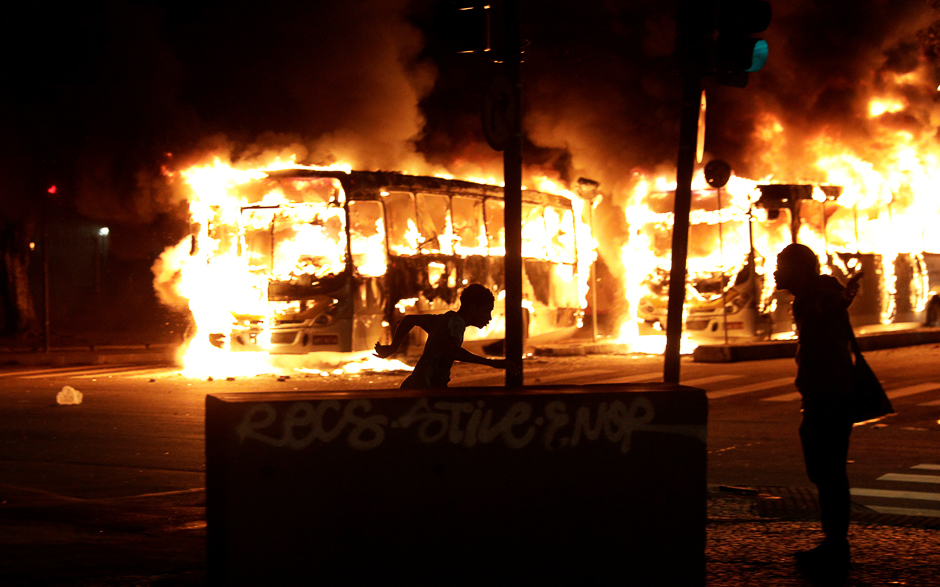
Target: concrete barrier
[[557, 485]]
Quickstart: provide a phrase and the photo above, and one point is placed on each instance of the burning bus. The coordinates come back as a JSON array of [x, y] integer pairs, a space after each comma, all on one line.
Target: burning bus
[[330, 260], [897, 286], [730, 294], [725, 282]]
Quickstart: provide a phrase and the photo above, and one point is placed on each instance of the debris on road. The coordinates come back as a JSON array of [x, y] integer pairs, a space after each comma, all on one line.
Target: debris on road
[[69, 396]]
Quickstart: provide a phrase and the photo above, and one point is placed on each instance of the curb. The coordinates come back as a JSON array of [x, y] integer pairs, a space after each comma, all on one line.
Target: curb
[[786, 349], [748, 351], [93, 355], [799, 504]]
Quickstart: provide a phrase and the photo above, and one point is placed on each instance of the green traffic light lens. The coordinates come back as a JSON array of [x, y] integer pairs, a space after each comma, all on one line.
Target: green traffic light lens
[[758, 55]]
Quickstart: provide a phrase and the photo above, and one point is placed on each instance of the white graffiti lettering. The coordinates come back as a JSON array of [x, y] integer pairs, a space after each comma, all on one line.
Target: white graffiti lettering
[[303, 423], [468, 423]]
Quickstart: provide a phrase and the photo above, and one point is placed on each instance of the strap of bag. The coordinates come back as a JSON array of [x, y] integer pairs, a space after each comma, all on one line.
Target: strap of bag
[[852, 340]]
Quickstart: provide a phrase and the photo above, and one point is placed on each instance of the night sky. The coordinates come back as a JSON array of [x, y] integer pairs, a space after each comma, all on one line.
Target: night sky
[[97, 97]]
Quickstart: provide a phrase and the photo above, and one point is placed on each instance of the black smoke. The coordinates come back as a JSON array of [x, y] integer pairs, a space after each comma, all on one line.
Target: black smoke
[[98, 98]]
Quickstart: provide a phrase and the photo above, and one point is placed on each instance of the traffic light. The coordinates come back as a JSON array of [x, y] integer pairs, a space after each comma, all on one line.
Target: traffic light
[[736, 52], [469, 24], [695, 32]]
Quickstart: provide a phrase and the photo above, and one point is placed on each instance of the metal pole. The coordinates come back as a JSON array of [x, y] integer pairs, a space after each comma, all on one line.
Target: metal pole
[[45, 282], [512, 176], [721, 256], [593, 284], [688, 139]]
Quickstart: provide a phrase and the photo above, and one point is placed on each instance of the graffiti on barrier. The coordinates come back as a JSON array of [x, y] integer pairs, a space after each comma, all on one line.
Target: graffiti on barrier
[[556, 426]]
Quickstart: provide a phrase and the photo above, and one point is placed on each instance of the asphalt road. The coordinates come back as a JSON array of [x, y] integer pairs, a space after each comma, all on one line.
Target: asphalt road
[[139, 429], [111, 491]]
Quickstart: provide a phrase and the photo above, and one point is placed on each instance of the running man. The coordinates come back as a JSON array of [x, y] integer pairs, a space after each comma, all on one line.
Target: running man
[[445, 337]]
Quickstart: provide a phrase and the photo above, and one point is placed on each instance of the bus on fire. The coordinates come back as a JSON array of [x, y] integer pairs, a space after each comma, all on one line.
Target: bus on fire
[[735, 302], [337, 258]]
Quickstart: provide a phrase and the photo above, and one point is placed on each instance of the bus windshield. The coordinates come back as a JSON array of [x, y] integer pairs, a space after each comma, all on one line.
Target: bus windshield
[[294, 232]]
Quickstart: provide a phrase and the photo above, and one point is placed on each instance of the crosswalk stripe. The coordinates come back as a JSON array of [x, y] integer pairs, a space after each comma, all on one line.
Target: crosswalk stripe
[[570, 375], [927, 467], [706, 380], [634, 378], [910, 478], [787, 397], [894, 393], [470, 380], [883, 509], [895, 494], [919, 388], [748, 388]]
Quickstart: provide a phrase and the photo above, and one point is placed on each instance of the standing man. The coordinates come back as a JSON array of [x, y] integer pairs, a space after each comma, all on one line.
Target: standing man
[[825, 380]]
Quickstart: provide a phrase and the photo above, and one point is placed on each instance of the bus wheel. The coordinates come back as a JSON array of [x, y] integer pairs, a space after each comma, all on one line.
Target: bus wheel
[[933, 313]]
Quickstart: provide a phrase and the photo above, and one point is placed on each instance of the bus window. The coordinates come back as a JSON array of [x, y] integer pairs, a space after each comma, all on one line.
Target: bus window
[[367, 230], [469, 231], [434, 224], [402, 223], [559, 227], [533, 231], [291, 241], [495, 229]]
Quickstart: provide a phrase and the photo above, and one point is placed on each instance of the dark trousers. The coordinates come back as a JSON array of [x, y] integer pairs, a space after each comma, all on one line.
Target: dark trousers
[[825, 440]]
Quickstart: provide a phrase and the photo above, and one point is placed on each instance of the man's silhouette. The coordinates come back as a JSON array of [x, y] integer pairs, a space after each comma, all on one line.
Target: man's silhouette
[[445, 337], [825, 382]]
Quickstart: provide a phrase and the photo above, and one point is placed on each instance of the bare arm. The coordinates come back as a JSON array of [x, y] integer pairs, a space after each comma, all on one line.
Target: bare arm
[[462, 354]]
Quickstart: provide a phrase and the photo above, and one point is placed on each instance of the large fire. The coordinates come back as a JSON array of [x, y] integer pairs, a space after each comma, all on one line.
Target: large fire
[[239, 245], [878, 203], [866, 205]]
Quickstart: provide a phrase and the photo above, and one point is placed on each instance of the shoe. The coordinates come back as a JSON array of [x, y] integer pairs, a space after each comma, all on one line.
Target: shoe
[[830, 560]]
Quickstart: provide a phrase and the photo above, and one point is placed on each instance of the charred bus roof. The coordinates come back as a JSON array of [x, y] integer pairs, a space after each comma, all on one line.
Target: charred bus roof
[[788, 195], [365, 185]]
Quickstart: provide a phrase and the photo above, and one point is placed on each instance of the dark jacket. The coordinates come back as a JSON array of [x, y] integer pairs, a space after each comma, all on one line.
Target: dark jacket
[[824, 353]]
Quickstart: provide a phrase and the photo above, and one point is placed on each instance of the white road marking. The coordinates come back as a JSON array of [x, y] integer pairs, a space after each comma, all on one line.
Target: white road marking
[[927, 467], [82, 373], [919, 388], [933, 403], [634, 378], [895, 494], [749, 388], [882, 509], [470, 380], [706, 380], [910, 478], [787, 397], [139, 373], [570, 376], [895, 393], [39, 372]]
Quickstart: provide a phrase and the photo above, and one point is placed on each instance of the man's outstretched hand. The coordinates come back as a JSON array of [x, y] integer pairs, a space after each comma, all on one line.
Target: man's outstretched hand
[[383, 351], [510, 367], [851, 288]]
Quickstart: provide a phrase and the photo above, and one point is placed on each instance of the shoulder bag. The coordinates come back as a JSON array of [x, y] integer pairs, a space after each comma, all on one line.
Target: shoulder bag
[[869, 400]]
